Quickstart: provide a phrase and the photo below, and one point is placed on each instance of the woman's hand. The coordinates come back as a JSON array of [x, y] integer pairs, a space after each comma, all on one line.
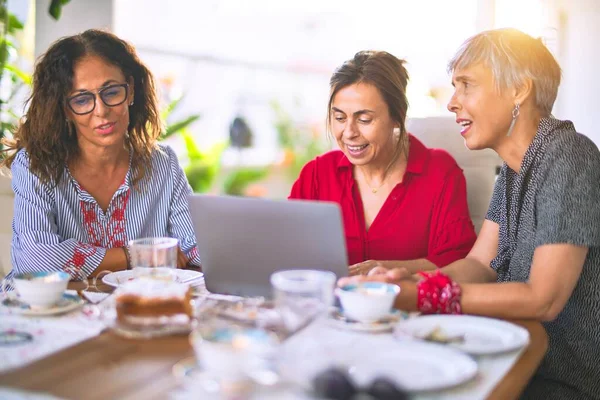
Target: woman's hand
[[378, 274], [182, 260], [364, 267]]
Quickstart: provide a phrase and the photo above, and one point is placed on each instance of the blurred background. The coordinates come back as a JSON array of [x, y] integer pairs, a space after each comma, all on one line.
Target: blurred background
[[244, 84]]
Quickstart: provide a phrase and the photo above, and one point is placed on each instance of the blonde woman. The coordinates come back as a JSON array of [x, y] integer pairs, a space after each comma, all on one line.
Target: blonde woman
[[538, 253]]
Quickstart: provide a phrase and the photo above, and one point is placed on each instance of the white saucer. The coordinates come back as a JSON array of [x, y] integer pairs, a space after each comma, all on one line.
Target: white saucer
[[115, 279], [68, 303], [338, 320]]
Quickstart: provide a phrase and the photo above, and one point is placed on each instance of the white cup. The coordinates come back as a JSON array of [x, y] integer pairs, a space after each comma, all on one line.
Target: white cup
[[367, 301], [39, 289]]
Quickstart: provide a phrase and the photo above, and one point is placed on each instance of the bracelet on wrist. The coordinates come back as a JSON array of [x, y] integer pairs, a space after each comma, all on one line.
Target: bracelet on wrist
[[437, 293]]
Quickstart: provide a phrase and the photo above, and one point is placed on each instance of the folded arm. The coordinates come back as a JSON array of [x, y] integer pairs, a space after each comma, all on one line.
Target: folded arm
[[37, 245]]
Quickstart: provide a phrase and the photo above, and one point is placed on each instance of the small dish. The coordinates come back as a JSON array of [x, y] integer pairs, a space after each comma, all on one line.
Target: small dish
[[195, 278], [339, 320], [68, 303]]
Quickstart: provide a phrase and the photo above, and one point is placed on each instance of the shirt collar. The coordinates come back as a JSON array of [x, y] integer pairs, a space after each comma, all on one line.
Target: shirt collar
[[417, 157]]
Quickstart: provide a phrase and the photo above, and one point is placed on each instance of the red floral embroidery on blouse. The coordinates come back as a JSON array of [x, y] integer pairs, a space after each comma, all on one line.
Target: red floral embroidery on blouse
[[109, 235], [116, 235], [81, 252]]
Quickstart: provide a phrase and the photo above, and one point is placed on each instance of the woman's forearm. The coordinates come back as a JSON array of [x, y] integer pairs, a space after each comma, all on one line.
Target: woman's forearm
[[513, 300], [470, 270], [414, 266], [114, 260]]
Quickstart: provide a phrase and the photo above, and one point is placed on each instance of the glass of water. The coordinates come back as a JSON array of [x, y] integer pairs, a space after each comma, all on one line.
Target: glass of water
[[154, 257], [234, 354], [301, 296]]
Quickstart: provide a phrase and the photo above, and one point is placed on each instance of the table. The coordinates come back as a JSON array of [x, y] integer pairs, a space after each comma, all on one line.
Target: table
[[109, 366]]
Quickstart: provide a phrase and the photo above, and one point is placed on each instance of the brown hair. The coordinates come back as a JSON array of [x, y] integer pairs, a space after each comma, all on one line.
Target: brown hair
[[387, 74], [45, 132]]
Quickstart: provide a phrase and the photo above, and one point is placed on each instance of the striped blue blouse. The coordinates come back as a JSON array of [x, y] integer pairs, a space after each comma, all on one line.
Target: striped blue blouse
[[64, 228]]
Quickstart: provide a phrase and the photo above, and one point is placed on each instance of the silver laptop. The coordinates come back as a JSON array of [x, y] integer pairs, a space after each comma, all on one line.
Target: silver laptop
[[242, 240]]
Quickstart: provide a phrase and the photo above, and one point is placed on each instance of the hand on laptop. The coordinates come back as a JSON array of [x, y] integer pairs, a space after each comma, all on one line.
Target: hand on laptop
[[378, 274], [365, 267]]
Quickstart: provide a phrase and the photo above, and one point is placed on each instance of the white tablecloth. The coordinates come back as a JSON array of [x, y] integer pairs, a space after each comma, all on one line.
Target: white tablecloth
[[50, 334], [321, 345]]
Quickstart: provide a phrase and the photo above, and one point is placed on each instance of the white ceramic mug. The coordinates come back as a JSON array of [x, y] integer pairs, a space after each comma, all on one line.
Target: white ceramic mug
[[41, 289]]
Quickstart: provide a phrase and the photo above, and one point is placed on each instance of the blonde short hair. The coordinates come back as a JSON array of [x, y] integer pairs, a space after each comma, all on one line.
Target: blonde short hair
[[513, 56]]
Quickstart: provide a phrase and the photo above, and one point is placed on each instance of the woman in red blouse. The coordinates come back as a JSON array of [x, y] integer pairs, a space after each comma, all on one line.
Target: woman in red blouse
[[403, 204]]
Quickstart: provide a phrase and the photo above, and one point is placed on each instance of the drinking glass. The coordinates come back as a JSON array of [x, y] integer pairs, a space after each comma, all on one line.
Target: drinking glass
[[233, 354], [154, 257], [301, 296]]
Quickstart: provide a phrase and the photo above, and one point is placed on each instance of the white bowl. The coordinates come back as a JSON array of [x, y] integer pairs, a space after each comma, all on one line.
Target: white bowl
[[41, 289], [367, 301]]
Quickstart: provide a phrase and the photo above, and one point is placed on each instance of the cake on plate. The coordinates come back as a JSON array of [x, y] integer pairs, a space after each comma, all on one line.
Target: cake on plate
[[150, 302]]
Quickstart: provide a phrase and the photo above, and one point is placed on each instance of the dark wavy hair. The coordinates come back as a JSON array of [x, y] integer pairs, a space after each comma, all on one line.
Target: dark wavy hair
[[387, 74], [44, 132]]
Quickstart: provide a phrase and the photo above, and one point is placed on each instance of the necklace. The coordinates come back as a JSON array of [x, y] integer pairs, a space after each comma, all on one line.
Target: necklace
[[375, 189], [385, 173]]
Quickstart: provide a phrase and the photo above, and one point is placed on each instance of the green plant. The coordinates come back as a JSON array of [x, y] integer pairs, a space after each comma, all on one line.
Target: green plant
[[237, 181], [204, 166], [299, 143], [177, 126], [11, 76]]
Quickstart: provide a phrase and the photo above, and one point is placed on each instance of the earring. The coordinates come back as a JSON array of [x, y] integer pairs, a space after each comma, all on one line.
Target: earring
[[396, 131], [130, 104], [515, 114], [516, 110]]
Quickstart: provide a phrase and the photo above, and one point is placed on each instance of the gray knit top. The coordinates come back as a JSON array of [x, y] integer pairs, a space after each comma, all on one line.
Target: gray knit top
[[555, 198]]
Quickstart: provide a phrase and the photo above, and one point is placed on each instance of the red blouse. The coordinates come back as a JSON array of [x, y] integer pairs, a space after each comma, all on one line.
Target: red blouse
[[425, 216]]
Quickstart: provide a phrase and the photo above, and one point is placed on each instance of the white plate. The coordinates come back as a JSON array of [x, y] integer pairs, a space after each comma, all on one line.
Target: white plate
[[68, 303], [416, 367], [412, 366], [481, 335], [115, 279], [338, 320], [148, 332]]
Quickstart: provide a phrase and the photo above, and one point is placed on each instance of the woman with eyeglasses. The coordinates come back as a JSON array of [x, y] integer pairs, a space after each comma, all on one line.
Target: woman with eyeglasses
[[87, 171]]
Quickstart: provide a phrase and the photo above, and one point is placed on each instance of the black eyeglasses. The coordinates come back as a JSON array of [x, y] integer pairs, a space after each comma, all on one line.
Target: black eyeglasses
[[335, 384], [111, 96]]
